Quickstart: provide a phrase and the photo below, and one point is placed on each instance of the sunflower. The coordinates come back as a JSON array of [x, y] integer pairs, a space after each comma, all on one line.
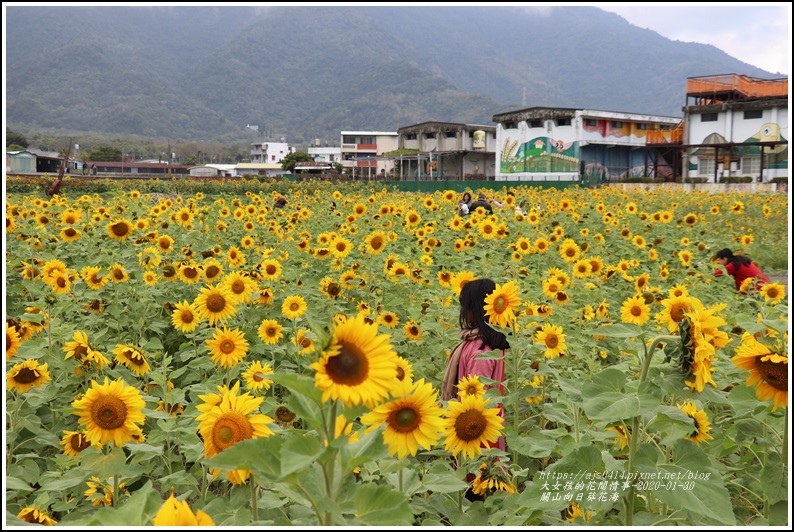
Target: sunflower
[[189, 272], [622, 438], [388, 319], [413, 419], [460, 279], [641, 282], [105, 495], [270, 331], [13, 341], [212, 269], [82, 352], [575, 512], [569, 250], [635, 310], [119, 229], [675, 308], [226, 419], [550, 287], [582, 268], [271, 269], [59, 282], [165, 243], [404, 370], [185, 317], [685, 257], [304, 341], [215, 303], [256, 376], [74, 442], [118, 274], [235, 257], [358, 366], [376, 242], [768, 368], [227, 347], [31, 514], [132, 358], [178, 513], [26, 375], [90, 275], [702, 425], [773, 293], [70, 234], [110, 412], [553, 338], [294, 307], [412, 330], [501, 304], [470, 425], [471, 385], [239, 286], [492, 477]]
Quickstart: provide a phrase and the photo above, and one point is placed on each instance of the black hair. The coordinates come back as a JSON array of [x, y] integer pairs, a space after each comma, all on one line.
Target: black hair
[[466, 194], [727, 254], [472, 313]]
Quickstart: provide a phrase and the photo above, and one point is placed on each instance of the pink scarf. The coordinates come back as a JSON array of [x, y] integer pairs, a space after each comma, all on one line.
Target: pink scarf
[[449, 386]]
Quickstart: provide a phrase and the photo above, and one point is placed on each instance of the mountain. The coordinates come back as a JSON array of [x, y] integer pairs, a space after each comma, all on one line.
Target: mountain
[[307, 72]]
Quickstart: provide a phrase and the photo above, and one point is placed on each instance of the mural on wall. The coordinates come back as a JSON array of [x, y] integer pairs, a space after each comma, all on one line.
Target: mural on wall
[[777, 157], [541, 154]]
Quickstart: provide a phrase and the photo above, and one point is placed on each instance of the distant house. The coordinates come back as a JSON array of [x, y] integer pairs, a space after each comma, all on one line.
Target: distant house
[[266, 169], [361, 152], [47, 161], [269, 152], [204, 171], [313, 167], [133, 168], [20, 162]]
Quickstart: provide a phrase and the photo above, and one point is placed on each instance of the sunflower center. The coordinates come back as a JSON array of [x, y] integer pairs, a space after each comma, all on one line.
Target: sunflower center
[[405, 419], [216, 303], [552, 341], [230, 428], [79, 442], [109, 412], [500, 304], [774, 373], [118, 274], [80, 351], [636, 311], [270, 269], [61, 282], [190, 273], [271, 331], [772, 293], [349, 367], [470, 425], [26, 376], [70, 232], [471, 390], [238, 287], [119, 229], [294, 307], [227, 346]]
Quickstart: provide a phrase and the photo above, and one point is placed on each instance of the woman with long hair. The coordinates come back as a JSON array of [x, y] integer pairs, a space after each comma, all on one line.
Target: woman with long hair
[[741, 267]]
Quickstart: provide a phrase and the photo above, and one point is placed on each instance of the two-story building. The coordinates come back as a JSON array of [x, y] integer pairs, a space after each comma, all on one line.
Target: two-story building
[[446, 150], [562, 144], [361, 153], [736, 125], [269, 152]]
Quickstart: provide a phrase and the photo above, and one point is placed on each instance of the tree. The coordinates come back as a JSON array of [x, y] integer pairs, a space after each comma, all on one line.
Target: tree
[[14, 138], [288, 163], [104, 153], [15, 147]]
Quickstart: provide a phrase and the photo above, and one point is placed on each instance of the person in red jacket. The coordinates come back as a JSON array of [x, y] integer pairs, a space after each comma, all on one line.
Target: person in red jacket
[[740, 267]]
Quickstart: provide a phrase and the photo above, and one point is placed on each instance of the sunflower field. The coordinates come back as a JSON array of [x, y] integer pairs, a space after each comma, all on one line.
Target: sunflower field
[[200, 358]]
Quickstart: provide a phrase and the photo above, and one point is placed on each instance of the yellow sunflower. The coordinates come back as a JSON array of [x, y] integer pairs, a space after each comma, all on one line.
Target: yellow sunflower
[[412, 420], [304, 341], [294, 307], [502, 303], [101, 493], [270, 331], [227, 347], [569, 250], [239, 286], [185, 317], [256, 376], [635, 310], [622, 438], [70, 234], [405, 371], [13, 341], [768, 368], [26, 375], [376, 242], [773, 293], [470, 425], [118, 274], [388, 319], [553, 338], [74, 442], [132, 358], [150, 278], [471, 385], [31, 514], [358, 366], [492, 477], [189, 272], [110, 412], [702, 425], [271, 269], [119, 229], [82, 352], [460, 279], [90, 275], [178, 513], [675, 308], [412, 330], [215, 303]]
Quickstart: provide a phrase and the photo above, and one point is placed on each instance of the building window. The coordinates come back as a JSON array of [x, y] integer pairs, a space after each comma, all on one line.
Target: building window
[[642, 126], [510, 125], [617, 124], [430, 135], [708, 117], [751, 165], [410, 136], [666, 127], [493, 135], [450, 134], [367, 140], [756, 113], [705, 166], [590, 122], [536, 123], [563, 121]]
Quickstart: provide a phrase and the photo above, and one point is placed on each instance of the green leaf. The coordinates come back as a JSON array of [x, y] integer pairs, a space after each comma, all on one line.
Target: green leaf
[[138, 510], [619, 330], [557, 413], [446, 483], [673, 423], [778, 514], [773, 479], [382, 506], [52, 481], [13, 483], [103, 465], [581, 461], [298, 451], [607, 401]]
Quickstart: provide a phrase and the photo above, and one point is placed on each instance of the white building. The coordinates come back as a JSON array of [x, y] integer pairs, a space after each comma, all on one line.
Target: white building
[[328, 154], [269, 152], [361, 151]]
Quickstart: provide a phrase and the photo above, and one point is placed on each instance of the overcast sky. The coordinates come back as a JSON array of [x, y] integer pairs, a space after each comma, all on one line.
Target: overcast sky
[[756, 33]]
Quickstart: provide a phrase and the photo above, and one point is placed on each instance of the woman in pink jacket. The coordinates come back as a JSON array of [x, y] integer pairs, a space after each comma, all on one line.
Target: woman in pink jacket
[[740, 267]]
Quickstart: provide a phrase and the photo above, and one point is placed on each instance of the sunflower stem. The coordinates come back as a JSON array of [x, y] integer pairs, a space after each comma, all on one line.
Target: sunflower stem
[[254, 501], [116, 490]]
